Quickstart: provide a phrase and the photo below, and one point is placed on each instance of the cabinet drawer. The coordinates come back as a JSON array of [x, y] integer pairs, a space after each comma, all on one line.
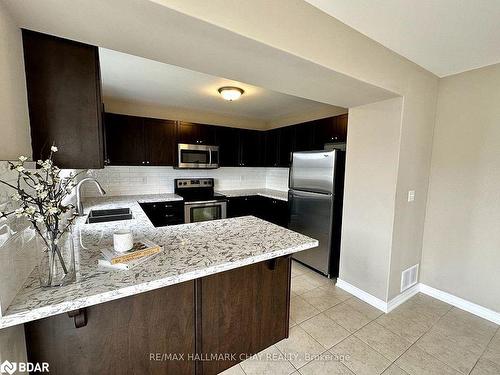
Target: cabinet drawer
[[164, 213]]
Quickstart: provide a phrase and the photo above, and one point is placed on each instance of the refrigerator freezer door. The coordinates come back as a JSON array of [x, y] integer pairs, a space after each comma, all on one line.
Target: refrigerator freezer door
[[311, 215], [313, 171]]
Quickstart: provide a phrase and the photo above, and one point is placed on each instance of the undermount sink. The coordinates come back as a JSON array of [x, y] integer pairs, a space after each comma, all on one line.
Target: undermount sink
[[113, 214]]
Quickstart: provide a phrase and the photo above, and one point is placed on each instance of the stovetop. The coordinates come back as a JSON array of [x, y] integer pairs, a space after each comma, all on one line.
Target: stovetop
[[197, 189]]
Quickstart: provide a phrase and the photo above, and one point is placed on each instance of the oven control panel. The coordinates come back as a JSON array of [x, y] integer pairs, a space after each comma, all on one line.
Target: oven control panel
[[194, 183]]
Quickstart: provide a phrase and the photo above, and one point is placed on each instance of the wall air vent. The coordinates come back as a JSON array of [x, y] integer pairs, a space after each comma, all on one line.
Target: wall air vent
[[409, 277]]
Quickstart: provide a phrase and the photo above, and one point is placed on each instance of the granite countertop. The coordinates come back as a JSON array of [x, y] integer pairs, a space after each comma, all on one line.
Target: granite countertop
[[190, 251], [269, 193]]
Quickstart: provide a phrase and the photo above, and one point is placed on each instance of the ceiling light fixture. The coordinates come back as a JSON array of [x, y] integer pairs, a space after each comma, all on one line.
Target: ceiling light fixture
[[230, 93]]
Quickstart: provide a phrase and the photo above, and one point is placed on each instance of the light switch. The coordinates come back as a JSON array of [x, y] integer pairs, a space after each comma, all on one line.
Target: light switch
[[411, 195]]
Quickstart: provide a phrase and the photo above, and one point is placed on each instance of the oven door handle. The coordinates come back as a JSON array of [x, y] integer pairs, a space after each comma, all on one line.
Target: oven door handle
[[204, 203]]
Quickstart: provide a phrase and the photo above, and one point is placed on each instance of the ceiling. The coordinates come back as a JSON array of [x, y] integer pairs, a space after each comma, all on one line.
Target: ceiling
[[135, 79], [443, 36], [146, 29]]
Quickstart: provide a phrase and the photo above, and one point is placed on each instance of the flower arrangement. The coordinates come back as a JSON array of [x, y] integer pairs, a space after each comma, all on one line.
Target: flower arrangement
[[41, 194]]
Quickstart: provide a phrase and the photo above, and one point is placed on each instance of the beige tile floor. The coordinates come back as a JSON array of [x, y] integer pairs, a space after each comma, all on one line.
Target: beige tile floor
[[333, 332]]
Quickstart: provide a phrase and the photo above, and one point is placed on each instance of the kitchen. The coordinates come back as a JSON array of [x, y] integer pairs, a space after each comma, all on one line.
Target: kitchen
[[147, 176], [197, 211]]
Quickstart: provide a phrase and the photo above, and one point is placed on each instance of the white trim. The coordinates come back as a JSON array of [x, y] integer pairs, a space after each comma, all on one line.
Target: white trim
[[362, 295], [386, 307], [461, 303], [403, 297]]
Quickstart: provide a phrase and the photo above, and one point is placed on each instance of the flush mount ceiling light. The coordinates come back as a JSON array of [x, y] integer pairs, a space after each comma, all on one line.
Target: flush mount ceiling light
[[230, 93]]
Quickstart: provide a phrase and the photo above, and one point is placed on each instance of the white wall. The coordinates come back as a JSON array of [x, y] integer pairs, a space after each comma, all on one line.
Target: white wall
[[369, 195], [308, 33], [17, 243], [461, 250], [14, 121]]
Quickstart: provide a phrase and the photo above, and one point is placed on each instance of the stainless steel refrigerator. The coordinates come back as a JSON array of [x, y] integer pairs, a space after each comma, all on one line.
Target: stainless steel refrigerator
[[315, 198]]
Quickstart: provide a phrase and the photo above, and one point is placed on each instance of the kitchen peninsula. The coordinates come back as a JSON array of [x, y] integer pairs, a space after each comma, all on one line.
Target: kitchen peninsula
[[219, 288]]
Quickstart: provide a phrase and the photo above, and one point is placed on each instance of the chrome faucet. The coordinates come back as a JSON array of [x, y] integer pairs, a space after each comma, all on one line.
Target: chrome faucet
[[79, 205]]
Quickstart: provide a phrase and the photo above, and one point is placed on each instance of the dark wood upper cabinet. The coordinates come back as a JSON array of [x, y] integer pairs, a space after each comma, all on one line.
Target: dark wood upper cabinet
[[64, 100], [160, 141], [331, 129], [286, 146], [125, 140], [227, 140], [272, 148], [304, 136], [133, 140], [192, 133], [251, 148]]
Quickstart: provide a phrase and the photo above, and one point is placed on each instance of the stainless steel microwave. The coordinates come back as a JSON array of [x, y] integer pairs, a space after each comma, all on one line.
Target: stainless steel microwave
[[197, 156]]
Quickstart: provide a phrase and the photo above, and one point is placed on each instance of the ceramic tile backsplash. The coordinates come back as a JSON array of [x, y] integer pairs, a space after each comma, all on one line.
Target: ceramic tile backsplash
[[117, 180], [17, 243], [277, 178]]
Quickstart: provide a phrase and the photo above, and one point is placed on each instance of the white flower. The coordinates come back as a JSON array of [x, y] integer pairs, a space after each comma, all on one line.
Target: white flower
[[23, 158], [42, 194], [38, 187], [16, 197], [38, 218], [20, 168], [53, 149], [30, 210], [52, 210], [19, 212]]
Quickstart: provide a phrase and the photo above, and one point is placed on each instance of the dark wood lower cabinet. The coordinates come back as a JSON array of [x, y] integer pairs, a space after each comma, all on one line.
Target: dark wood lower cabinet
[[272, 210], [120, 335], [172, 330], [243, 311]]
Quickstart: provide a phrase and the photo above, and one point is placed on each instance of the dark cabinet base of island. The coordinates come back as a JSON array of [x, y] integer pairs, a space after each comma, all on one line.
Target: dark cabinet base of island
[[201, 327]]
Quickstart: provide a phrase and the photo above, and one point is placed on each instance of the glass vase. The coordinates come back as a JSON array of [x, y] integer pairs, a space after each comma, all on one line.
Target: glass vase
[[57, 263]]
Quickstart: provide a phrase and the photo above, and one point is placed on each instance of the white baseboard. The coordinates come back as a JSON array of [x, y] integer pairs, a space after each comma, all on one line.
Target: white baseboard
[[362, 295], [403, 297], [386, 307], [461, 303]]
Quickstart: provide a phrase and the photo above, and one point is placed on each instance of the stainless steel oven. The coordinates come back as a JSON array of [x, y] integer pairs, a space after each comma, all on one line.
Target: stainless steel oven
[[201, 202], [204, 210], [197, 156]]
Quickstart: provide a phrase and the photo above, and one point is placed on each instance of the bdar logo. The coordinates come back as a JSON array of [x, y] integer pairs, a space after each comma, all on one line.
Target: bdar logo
[[8, 368]]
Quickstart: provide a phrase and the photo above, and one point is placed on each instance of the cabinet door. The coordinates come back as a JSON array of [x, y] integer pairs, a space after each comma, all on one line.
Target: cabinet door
[[244, 206], [64, 100], [120, 335], [160, 141], [272, 148], [274, 211], [191, 133], [250, 148], [331, 129], [243, 311], [304, 136], [227, 140], [341, 122], [125, 143], [286, 146]]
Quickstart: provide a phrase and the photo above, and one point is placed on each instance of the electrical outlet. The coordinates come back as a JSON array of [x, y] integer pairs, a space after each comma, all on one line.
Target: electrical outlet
[[411, 195]]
